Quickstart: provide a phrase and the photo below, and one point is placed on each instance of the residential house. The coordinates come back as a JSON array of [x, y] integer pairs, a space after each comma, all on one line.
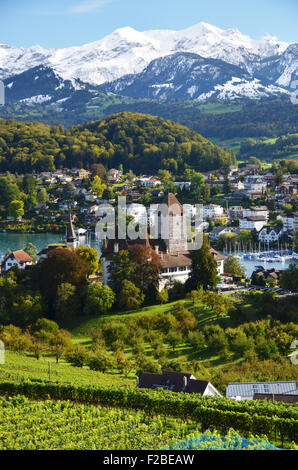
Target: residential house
[[247, 390], [149, 181], [256, 211], [270, 233], [235, 212], [218, 231], [18, 258], [252, 223], [114, 176], [255, 185], [183, 184], [212, 211], [177, 382], [290, 221]]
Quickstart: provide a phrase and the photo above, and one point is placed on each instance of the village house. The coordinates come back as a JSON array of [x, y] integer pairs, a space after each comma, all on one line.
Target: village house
[[270, 233], [149, 181], [235, 212], [18, 258], [256, 211], [114, 176], [218, 231], [255, 186], [247, 390], [290, 221], [212, 211], [177, 382], [183, 185], [252, 223]]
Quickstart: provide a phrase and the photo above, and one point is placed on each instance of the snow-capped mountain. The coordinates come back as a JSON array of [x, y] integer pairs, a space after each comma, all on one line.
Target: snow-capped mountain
[[200, 62], [42, 85], [186, 76], [127, 51]]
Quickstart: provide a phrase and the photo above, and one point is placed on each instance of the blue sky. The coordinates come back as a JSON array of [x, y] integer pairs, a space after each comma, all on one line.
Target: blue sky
[[63, 23]]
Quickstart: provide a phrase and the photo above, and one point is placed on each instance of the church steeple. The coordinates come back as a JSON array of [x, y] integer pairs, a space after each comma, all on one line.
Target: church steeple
[[71, 238]]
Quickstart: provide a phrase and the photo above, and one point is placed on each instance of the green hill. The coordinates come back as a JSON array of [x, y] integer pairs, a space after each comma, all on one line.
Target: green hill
[[140, 142]]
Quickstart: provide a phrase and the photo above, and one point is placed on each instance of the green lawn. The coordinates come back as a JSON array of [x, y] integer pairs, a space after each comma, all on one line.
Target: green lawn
[[23, 366], [80, 328]]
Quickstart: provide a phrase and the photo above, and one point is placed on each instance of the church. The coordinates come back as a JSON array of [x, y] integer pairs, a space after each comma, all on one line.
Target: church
[[172, 249]]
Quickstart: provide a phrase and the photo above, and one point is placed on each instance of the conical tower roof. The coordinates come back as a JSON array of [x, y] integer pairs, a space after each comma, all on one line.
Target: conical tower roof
[[70, 234]]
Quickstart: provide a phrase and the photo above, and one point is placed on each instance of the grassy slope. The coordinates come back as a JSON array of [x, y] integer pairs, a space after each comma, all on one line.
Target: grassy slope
[[21, 365]]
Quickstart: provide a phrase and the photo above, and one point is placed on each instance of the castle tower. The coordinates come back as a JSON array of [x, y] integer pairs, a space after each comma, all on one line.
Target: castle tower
[[177, 240], [71, 239]]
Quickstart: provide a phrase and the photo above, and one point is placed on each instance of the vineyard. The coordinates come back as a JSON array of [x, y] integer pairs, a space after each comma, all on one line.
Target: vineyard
[[277, 421], [65, 425]]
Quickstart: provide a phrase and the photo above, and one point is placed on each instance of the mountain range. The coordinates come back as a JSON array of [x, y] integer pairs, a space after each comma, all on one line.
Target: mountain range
[[199, 63]]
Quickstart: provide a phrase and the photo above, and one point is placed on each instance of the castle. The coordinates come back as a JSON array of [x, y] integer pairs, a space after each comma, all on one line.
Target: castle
[[172, 248]]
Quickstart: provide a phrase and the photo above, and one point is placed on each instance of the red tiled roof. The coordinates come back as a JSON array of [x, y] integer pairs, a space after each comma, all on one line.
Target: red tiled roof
[[22, 257]]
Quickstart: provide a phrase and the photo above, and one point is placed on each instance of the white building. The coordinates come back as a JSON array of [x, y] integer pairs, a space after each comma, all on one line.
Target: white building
[[246, 390], [149, 182], [255, 184], [256, 211], [290, 221], [19, 258], [183, 184], [252, 223], [212, 211], [270, 233]]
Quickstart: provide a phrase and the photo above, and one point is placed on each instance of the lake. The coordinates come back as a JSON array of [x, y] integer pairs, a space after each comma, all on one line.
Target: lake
[[249, 265], [18, 241]]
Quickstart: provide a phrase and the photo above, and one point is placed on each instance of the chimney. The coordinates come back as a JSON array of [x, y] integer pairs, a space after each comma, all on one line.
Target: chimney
[[184, 382], [116, 247], [156, 249]]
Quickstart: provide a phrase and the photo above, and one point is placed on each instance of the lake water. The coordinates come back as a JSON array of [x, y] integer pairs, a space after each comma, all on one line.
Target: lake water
[[18, 241], [250, 265]]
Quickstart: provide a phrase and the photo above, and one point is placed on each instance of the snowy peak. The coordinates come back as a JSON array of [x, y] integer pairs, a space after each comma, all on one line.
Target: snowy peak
[[188, 76], [128, 51]]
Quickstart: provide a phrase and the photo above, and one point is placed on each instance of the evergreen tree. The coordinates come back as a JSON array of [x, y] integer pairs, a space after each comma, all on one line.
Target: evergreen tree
[[204, 268]]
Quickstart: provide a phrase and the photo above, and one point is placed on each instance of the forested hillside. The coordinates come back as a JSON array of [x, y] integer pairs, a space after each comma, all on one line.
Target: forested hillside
[[281, 147], [139, 142]]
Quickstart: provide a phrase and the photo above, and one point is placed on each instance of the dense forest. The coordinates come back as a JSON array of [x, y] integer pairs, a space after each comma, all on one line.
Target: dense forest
[[254, 119], [282, 147], [139, 142], [221, 120]]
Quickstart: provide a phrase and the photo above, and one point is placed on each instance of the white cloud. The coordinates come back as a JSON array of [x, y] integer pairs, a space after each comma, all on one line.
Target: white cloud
[[89, 6]]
